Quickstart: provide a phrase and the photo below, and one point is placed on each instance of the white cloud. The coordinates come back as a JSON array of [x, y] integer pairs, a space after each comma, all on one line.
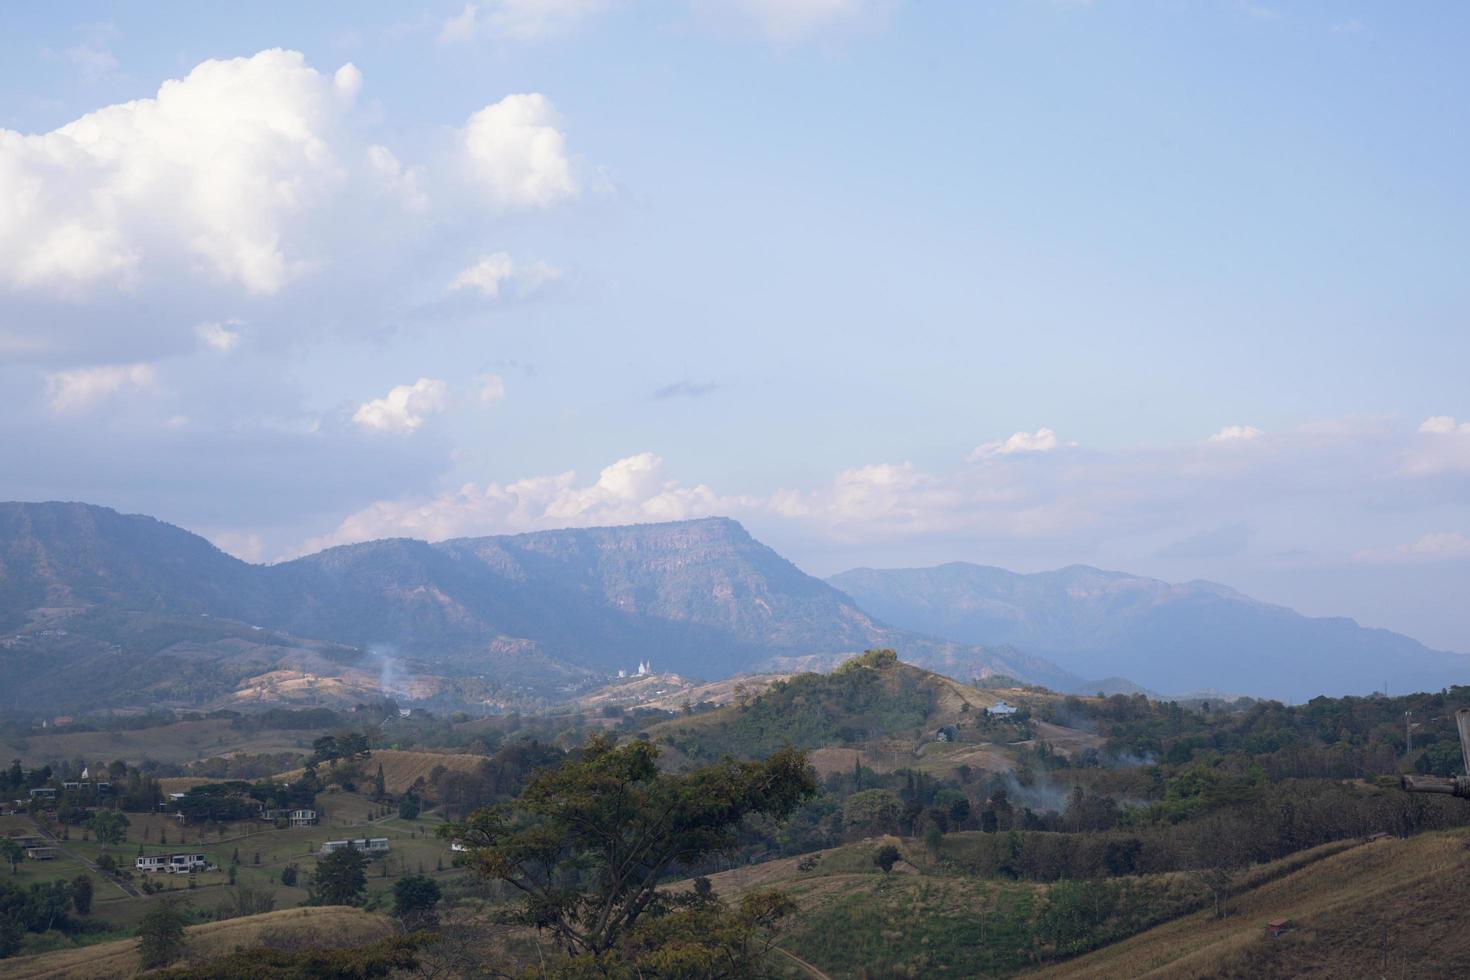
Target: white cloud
[[1236, 433], [490, 273], [632, 490], [1443, 446], [1296, 490], [80, 388], [516, 155], [211, 171], [492, 388], [219, 336], [405, 408], [519, 20], [404, 183], [1444, 425], [1043, 440]]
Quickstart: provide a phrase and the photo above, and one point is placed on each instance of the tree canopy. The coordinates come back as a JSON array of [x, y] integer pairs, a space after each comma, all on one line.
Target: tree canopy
[[588, 844]]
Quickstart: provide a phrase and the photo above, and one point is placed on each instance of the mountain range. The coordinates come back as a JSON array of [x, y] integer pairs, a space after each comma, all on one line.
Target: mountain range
[[100, 608], [1189, 637]]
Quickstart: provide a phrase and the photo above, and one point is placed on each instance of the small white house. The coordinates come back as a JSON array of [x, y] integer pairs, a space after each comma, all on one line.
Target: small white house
[[371, 846], [1001, 708], [173, 864]]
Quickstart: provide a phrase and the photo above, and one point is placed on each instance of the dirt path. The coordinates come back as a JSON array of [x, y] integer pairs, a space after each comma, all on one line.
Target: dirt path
[[803, 964], [126, 889]]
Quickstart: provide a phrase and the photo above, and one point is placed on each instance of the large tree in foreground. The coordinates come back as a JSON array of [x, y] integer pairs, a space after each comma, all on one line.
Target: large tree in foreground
[[587, 844]]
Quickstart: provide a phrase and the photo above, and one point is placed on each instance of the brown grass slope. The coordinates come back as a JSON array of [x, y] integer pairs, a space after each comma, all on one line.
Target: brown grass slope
[[1393, 908], [401, 768], [317, 927]]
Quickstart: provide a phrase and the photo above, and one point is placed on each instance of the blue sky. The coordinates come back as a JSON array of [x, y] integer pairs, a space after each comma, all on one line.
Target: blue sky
[[1175, 287]]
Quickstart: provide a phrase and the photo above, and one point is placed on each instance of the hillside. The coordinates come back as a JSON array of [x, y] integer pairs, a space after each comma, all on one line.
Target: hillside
[[872, 709], [1388, 909], [1196, 636], [402, 768], [99, 608], [321, 927]]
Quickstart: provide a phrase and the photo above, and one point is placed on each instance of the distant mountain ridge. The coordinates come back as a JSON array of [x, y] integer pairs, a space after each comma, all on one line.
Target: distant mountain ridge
[[1174, 638], [82, 586]]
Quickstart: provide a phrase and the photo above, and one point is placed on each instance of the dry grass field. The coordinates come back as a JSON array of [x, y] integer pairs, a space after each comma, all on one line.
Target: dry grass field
[[184, 741], [401, 769], [321, 927], [1392, 908]]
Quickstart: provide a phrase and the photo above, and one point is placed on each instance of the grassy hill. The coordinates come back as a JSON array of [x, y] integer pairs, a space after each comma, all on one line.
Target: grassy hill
[[1386, 908], [869, 699], [321, 927], [1392, 908]]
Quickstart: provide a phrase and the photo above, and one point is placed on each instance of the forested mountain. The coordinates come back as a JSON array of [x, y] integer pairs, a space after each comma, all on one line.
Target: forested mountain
[[1170, 638], [83, 586]]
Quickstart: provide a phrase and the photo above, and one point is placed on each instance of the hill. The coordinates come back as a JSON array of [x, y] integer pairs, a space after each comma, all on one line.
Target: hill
[[321, 927], [402, 768], [1195, 636], [1386, 909], [99, 608], [872, 709]]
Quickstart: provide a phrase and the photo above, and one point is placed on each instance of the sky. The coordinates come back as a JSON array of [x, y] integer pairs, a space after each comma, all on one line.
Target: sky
[[1170, 286]]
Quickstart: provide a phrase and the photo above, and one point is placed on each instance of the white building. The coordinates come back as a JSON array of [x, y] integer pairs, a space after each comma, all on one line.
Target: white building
[[171, 863], [1001, 708], [371, 846]]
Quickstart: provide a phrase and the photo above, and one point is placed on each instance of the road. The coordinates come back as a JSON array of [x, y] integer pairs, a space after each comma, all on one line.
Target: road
[[126, 888]]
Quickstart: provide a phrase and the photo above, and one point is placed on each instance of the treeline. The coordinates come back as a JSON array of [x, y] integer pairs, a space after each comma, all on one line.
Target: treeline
[[1277, 820], [1330, 738]]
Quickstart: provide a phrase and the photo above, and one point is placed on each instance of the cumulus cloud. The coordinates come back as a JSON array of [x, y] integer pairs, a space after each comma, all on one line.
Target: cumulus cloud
[[518, 20], [1296, 491], [223, 337], [1443, 446], [403, 183], [492, 273], [1444, 425], [1236, 433], [515, 153], [636, 489], [1043, 440], [80, 388], [212, 169], [405, 408]]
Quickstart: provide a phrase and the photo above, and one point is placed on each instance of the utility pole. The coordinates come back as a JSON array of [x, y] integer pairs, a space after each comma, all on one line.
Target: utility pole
[[1409, 732]]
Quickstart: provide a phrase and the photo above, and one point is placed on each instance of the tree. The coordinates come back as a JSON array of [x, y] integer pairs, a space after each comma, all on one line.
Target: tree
[[873, 811], [12, 851], [288, 875], [340, 879], [1216, 849], [109, 826], [587, 843], [408, 807], [886, 857], [414, 898], [81, 894], [161, 935]]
